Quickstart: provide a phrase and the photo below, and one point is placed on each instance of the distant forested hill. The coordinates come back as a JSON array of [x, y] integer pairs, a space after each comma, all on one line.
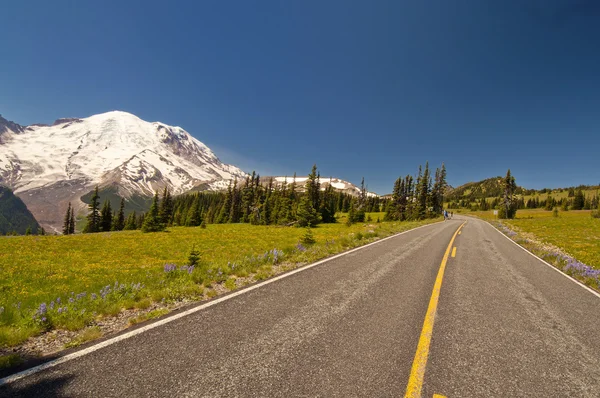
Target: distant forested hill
[[14, 215]]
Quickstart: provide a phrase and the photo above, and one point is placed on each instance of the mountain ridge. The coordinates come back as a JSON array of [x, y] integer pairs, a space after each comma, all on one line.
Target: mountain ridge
[[51, 165]]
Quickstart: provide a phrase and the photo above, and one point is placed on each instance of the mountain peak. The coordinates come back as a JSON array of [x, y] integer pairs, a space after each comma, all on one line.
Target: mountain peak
[[113, 148]]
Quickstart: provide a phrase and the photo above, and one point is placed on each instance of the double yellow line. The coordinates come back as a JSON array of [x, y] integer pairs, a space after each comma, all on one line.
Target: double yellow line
[[417, 373]]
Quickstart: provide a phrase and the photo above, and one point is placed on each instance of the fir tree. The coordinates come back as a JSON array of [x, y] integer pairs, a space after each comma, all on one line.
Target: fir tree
[[508, 208], [28, 231], [131, 222], [152, 221], [93, 218], [119, 220], [66, 224], [166, 207], [226, 207], [579, 200], [313, 187], [106, 217], [72, 221], [307, 214]]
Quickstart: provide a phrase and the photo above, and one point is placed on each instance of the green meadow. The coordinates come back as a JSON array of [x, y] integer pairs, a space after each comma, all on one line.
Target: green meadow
[[68, 282], [574, 231], [570, 240]]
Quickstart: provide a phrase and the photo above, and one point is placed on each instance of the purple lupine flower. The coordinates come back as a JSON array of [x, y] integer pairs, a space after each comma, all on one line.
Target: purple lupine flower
[[170, 267], [93, 296], [300, 247], [60, 310], [190, 269], [71, 300], [58, 300], [44, 319], [42, 310], [52, 305]]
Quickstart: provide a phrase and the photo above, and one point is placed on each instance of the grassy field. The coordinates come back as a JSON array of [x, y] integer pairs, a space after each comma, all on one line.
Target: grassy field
[[570, 241], [67, 282]]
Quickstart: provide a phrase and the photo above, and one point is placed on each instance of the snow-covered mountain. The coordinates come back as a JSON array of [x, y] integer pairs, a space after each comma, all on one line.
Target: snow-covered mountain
[[51, 165], [336, 183]]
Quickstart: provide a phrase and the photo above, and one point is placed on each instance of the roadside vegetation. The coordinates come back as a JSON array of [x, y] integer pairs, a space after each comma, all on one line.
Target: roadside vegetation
[[570, 240], [68, 282]]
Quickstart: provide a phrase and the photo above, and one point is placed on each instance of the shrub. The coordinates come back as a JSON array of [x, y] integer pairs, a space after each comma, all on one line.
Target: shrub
[[308, 238], [194, 257]]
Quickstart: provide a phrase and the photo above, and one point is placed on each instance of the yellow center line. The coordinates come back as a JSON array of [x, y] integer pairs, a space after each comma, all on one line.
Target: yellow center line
[[459, 232], [417, 372], [438, 396], [454, 252]]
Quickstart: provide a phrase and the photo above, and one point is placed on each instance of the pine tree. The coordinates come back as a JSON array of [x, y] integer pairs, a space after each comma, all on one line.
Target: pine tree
[[119, 220], [166, 207], [226, 208], [106, 217], [236, 203], [578, 200], [131, 222], [72, 222], [28, 231], [93, 218], [508, 208], [152, 221], [194, 216], [66, 224], [313, 187], [307, 214]]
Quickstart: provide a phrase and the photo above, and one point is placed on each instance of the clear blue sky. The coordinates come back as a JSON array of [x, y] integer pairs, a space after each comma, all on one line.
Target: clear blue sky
[[362, 88]]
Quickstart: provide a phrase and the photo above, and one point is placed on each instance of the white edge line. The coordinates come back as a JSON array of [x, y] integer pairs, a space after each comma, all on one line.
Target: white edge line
[[589, 289], [36, 369]]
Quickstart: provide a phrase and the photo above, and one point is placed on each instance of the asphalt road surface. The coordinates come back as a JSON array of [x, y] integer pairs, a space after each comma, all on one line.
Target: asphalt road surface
[[505, 325]]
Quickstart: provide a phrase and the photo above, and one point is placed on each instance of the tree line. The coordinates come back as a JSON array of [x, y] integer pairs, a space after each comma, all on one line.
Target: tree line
[[417, 199], [252, 200]]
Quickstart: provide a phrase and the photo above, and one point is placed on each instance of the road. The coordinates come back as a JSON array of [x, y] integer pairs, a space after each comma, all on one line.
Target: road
[[505, 325]]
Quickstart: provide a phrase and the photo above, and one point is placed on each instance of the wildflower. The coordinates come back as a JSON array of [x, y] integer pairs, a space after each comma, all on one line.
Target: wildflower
[[170, 267], [71, 300], [58, 300], [93, 296], [300, 247], [60, 310], [42, 310], [190, 269], [52, 305], [44, 319]]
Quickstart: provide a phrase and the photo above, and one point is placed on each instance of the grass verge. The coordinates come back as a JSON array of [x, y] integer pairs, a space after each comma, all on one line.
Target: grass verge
[[570, 241], [70, 282]]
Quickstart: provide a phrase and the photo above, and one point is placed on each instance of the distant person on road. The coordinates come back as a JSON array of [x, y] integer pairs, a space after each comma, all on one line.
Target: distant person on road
[[445, 215]]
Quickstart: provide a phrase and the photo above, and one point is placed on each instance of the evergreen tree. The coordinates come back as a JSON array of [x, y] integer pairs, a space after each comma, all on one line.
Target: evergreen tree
[[307, 214], [28, 231], [72, 222], [119, 220], [93, 218], [508, 208], [579, 200], [152, 221], [313, 187], [194, 215], [166, 208], [226, 208], [131, 222], [66, 224], [235, 211], [106, 217]]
